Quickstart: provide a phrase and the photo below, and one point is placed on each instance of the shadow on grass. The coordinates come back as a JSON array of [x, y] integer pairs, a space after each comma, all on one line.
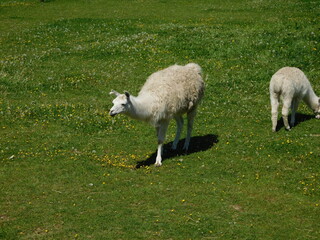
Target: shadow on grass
[[197, 144], [300, 118]]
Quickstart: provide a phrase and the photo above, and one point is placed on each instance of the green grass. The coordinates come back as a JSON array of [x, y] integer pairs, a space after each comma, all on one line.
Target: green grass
[[69, 171]]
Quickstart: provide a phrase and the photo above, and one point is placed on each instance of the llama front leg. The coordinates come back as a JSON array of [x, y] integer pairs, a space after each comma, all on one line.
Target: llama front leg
[[191, 115], [161, 132], [179, 121], [274, 110]]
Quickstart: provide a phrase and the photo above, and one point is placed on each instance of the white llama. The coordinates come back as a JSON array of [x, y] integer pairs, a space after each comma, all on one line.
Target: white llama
[[166, 94], [292, 85]]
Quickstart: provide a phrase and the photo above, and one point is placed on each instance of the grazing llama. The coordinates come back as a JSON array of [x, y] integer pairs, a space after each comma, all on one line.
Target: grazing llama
[[292, 85]]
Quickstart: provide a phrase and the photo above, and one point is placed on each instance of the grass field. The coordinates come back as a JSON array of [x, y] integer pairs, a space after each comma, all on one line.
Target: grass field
[[69, 171]]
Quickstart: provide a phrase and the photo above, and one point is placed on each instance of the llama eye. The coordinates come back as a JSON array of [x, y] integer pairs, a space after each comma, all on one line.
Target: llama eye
[[123, 104]]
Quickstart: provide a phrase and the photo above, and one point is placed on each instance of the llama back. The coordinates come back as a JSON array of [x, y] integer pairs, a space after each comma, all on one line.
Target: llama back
[[175, 89], [289, 81]]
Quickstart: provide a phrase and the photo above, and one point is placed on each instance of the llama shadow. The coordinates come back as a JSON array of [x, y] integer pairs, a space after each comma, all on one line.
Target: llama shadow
[[300, 118], [197, 144]]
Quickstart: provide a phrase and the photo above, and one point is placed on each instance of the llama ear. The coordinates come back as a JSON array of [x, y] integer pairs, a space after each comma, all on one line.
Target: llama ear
[[127, 94], [114, 93]]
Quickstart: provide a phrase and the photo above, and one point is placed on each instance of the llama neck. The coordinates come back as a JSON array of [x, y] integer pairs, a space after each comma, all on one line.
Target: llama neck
[[139, 108], [312, 100]]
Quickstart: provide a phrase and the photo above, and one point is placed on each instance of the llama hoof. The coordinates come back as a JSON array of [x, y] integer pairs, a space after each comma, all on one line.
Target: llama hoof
[[185, 151], [288, 129], [318, 117], [158, 164]]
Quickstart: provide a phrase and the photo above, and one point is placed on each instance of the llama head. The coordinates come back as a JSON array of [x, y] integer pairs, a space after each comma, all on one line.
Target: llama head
[[121, 103]]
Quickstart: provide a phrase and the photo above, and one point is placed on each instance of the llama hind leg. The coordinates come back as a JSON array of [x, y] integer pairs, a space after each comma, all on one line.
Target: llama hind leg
[[179, 121], [274, 110], [161, 133], [285, 112], [294, 107], [191, 115]]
